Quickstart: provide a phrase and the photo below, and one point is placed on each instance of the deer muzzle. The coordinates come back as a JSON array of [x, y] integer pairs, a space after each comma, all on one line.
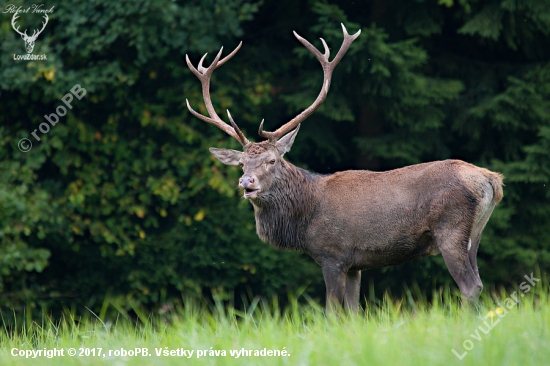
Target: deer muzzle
[[250, 186]]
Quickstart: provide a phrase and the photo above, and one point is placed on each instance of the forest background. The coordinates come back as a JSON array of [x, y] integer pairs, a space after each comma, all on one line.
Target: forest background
[[122, 199]]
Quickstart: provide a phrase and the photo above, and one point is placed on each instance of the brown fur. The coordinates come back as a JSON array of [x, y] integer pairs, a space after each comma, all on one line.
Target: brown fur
[[257, 148], [355, 220]]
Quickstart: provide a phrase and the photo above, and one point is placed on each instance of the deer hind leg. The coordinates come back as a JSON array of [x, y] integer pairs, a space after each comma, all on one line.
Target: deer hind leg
[[353, 286], [335, 282], [454, 249], [473, 245], [483, 213]]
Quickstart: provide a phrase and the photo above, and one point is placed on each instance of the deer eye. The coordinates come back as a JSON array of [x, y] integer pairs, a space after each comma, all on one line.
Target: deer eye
[[272, 161]]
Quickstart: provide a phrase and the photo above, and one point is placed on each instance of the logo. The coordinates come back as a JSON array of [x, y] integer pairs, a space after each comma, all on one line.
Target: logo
[[36, 31], [29, 40]]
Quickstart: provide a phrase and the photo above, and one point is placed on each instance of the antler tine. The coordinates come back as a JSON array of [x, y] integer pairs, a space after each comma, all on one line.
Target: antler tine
[[228, 57], [219, 63], [201, 68], [44, 23], [327, 50], [242, 137], [216, 122], [13, 20], [328, 68], [204, 74], [348, 40], [261, 129]]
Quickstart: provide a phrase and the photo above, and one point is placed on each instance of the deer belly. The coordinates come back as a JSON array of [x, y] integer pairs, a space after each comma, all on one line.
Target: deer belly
[[397, 251]]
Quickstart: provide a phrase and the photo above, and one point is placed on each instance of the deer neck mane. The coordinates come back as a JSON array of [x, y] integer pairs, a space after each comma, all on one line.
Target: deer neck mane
[[284, 212]]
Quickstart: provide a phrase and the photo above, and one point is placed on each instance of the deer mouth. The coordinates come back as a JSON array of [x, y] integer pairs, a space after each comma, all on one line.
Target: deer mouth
[[251, 192]]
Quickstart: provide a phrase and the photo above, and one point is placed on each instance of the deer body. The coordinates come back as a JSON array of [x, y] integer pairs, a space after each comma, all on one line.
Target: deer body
[[355, 220], [356, 210]]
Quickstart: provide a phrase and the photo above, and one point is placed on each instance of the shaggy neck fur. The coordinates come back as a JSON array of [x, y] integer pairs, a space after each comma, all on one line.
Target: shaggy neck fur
[[284, 212]]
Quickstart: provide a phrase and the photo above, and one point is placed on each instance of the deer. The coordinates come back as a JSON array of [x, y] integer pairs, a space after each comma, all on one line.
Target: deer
[[357, 220], [29, 40]]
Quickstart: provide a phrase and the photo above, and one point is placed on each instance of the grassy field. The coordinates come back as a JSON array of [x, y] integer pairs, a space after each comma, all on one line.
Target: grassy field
[[511, 328]]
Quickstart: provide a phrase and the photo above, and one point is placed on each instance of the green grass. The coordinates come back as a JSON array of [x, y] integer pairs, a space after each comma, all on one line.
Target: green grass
[[408, 331]]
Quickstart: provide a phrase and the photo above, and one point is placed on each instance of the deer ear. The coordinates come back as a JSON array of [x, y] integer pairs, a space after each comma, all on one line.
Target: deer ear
[[227, 156], [285, 143]]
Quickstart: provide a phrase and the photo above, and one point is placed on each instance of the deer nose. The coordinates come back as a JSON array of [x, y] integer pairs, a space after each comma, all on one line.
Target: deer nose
[[246, 182]]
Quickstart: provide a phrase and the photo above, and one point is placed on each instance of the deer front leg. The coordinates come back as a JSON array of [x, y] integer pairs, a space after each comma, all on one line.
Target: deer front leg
[[335, 282], [353, 286]]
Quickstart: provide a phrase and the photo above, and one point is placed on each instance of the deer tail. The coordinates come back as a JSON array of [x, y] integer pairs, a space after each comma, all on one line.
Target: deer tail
[[496, 180]]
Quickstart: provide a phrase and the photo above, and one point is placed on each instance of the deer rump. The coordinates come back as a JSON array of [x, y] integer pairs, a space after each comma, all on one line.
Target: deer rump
[[355, 220]]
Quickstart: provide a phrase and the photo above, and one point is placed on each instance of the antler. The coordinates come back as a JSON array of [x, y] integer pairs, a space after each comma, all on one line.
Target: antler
[[13, 19], [204, 74], [36, 33], [328, 67]]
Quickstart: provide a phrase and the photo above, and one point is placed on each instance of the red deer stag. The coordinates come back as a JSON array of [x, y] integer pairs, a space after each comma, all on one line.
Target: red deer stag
[[355, 220]]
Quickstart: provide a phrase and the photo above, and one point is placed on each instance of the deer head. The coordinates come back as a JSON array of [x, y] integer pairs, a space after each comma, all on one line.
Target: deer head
[[261, 161], [29, 40]]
